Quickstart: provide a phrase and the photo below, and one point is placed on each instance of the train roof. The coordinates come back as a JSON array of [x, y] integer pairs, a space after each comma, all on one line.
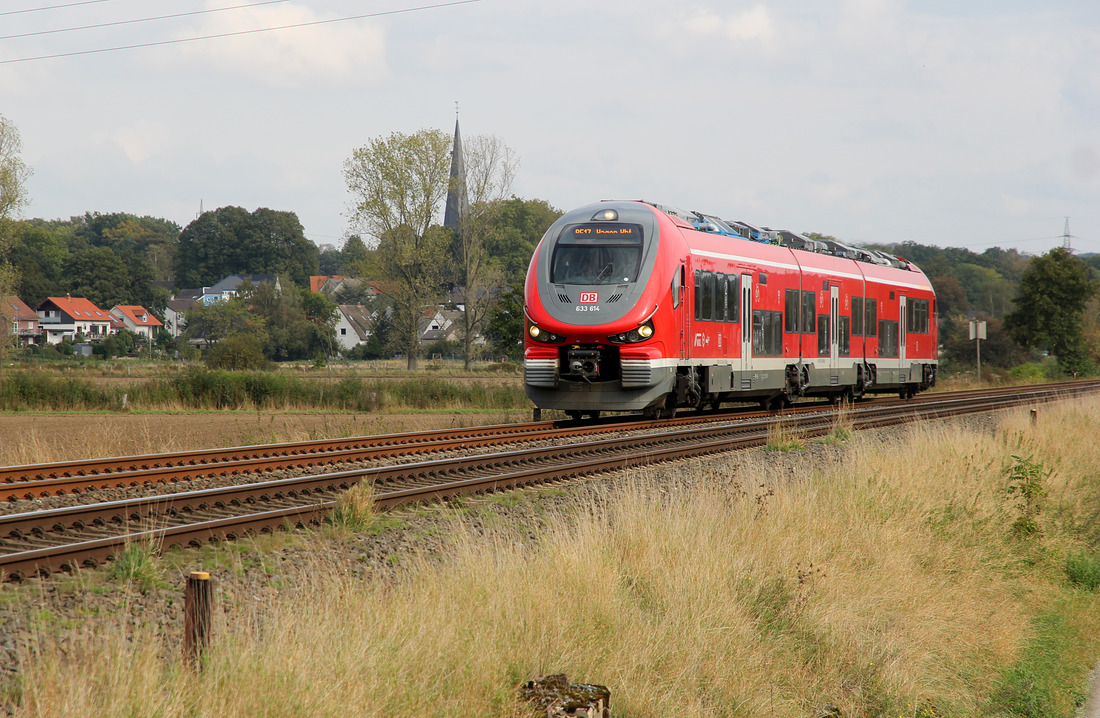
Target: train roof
[[712, 224]]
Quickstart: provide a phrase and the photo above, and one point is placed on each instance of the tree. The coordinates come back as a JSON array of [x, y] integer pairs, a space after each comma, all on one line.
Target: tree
[[397, 184], [13, 197], [1054, 290], [354, 254], [239, 351], [229, 241], [300, 324], [214, 322], [13, 172], [506, 322], [491, 168], [99, 275], [39, 255], [516, 231]]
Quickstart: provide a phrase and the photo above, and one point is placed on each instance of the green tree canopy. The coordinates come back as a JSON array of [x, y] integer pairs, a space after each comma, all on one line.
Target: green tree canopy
[[217, 321], [13, 197], [516, 231], [99, 275], [398, 184], [1050, 304], [300, 324], [229, 241]]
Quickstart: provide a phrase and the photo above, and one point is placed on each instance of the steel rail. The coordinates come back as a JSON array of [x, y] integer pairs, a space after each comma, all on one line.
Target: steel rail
[[43, 480], [420, 481]]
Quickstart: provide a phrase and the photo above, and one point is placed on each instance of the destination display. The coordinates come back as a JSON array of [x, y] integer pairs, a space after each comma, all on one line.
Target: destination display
[[602, 234]]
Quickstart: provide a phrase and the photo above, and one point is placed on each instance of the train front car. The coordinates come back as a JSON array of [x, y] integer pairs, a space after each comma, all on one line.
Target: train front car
[[598, 333]]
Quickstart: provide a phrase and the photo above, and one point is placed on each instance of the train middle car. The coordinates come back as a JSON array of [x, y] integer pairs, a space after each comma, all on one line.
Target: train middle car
[[630, 307]]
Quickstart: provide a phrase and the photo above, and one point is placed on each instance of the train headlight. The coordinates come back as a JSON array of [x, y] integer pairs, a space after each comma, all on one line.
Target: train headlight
[[606, 215], [643, 332], [544, 337]]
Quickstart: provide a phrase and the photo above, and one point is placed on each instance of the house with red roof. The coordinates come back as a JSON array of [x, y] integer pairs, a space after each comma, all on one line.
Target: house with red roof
[[138, 320], [19, 321], [66, 317]]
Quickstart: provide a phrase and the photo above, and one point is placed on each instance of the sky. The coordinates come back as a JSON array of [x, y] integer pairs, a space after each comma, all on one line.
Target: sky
[[958, 123]]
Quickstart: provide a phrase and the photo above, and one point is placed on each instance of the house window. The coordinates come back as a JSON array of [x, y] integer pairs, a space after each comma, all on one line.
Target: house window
[[343, 331]]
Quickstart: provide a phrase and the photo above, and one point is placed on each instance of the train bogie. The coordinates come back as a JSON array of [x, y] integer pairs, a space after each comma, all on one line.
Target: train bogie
[[630, 306]]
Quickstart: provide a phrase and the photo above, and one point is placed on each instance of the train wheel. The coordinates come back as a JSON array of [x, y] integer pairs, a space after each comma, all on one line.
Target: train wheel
[[594, 414], [536, 415], [574, 415], [651, 412]]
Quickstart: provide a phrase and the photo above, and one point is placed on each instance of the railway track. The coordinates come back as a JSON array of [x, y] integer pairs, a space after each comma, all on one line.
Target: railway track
[[57, 479], [38, 542]]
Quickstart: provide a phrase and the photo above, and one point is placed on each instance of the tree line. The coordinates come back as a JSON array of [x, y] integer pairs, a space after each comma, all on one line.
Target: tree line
[[1032, 304]]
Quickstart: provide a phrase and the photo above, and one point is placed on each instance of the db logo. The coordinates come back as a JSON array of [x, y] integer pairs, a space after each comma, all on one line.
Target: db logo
[[590, 297]]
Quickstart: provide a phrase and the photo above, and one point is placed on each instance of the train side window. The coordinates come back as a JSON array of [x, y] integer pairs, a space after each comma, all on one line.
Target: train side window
[[916, 316], [870, 308], [767, 333], [791, 306], [720, 297], [706, 304], [809, 311], [823, 335], [888, 338], [733, 298], [844, 340], [677, 287], [857, 316], [763, 278], [698, 294]]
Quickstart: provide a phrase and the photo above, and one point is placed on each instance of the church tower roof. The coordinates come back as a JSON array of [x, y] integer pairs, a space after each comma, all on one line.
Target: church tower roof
[[456, 192]]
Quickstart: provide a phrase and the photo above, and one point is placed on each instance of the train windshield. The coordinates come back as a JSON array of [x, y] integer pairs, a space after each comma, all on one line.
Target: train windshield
[[597, 254]]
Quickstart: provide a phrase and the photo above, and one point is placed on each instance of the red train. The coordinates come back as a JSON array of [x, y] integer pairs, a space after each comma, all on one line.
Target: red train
[[632, 306]]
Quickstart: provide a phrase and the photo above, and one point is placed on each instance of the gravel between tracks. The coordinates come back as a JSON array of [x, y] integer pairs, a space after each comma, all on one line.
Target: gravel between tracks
[[256, 571]]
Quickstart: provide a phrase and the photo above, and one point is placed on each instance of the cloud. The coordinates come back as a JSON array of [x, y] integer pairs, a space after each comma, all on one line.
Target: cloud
[[754, 24], [295, 57]]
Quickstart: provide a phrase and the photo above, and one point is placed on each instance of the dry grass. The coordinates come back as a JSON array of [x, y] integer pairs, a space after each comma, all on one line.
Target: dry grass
[[888, 584], [45, 438]]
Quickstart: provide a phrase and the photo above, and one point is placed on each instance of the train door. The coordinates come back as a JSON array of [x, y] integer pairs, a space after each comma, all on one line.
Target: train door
[[746, 323], [834, 323], [902, 331], [680, 306]]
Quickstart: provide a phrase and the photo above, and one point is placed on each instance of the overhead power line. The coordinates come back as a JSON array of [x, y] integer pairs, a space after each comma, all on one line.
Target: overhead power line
[[143, 19], [239, 32], [51, 7]]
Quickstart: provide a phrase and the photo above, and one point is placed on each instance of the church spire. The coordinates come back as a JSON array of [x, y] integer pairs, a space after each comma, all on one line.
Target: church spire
[[456, 192]]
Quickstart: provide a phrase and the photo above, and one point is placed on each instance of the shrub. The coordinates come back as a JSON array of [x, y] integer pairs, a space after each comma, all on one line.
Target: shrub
[[239, 351], [1083, 569]]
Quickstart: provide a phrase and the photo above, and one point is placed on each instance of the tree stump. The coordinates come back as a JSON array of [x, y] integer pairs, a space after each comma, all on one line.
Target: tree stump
[[562, 699]]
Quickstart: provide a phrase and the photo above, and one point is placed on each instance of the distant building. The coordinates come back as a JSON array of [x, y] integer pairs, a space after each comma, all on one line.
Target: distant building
[[138, 320], [66, 317], [227, 288], [353, 326], [20, 321], [174, 321]]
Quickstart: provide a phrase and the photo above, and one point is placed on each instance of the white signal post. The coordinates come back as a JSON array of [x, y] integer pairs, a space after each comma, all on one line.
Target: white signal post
[[977, 332]]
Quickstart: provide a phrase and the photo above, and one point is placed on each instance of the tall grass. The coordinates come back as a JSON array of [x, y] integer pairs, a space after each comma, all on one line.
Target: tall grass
[[891, 583], [215, 389]]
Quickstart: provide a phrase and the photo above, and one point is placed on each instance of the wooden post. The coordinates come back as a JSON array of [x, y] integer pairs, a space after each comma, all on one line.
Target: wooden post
[[1034, 417], [198, 607]]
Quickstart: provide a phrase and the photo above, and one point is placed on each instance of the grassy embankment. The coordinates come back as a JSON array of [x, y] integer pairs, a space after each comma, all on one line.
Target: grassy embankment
[[942, 571], [194, 388], [146, 408]]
